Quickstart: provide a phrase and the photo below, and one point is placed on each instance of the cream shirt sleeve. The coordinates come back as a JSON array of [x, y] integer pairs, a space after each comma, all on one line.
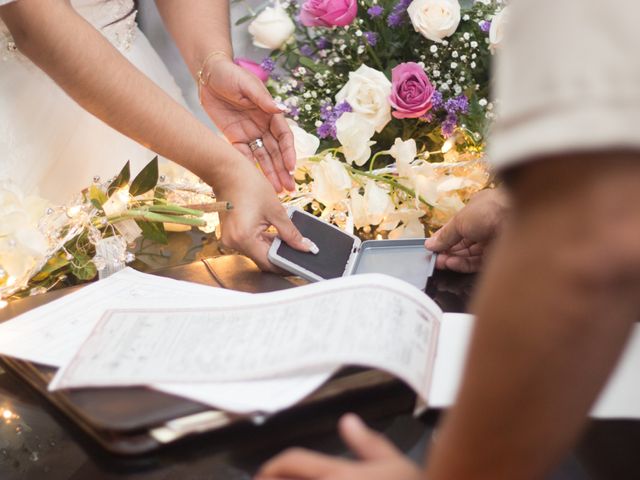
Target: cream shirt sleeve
[[567, 79]]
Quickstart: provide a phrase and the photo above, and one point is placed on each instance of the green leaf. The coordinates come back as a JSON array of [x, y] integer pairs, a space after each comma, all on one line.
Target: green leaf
[[153, 231], [244, 19], [146, 179], [97, 196], [53, 264], [311, 65], [82, 267], [121, 180]]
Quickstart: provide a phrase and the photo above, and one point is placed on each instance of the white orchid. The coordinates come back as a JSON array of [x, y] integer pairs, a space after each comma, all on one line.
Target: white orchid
[[372, 207], [331, 181], [404, 152]]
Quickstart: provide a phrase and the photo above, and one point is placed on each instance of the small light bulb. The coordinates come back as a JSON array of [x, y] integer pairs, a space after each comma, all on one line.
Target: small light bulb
[[448, 145], [7, 414], [73, 211]]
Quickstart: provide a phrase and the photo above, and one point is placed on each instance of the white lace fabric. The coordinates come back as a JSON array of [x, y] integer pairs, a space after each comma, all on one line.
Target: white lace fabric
[[115, 19]]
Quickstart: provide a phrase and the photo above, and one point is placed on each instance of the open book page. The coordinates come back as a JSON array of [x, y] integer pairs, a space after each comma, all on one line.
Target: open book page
[[621, 396], [268, 396], [369, 320], [51, 334], [453, 343]]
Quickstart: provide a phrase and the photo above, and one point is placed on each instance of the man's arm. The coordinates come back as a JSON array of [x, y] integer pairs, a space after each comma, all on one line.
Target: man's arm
[[554, 310]]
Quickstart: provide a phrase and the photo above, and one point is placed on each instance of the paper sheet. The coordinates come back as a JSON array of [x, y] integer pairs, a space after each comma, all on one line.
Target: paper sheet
[[621, 396], [51, 334], [453, 343], [369, 320]]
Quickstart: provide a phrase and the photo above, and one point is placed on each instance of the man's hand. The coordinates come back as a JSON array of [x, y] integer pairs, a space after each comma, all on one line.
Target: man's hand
[[461, 243], [379, 459], [242, 108]]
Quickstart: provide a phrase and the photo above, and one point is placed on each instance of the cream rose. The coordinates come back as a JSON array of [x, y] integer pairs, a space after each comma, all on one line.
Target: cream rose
[[498, 23], [367, 92], [435, 19], [354, 133], [272, 28]]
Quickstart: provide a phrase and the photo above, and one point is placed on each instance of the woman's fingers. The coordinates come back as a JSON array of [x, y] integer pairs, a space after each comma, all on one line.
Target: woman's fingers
[[277, 161], [283, 135]]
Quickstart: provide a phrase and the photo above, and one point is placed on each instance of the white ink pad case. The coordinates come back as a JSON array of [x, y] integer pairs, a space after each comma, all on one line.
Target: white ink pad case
[[342, 254]]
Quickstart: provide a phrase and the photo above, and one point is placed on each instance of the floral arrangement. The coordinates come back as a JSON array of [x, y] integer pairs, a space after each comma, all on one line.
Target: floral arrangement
[[389, 104], [44, 245]]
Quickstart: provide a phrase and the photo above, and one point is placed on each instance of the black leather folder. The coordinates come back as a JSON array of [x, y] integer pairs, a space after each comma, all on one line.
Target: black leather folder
[[134, 421]]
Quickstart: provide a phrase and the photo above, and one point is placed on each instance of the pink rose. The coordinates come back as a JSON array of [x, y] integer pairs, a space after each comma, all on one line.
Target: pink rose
[[411, 91], [252, 67], [328, 13]]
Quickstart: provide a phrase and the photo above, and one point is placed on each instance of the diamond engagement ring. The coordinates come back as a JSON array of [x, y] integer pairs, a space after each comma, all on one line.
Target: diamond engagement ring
[[256, 144]]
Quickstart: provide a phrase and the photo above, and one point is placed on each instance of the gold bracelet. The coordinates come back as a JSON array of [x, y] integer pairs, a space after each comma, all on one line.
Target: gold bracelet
[[201, 78]]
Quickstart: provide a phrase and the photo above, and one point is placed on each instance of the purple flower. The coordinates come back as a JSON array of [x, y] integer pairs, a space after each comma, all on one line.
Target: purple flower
[[375, 11], [343, 107], [327, 129], [485, 26], [437, 100], [294, 111], [306, 50], [459, 104], [449, 125], [268, 65], [398, 14], [322, 43], [371, 38], [330, 115]]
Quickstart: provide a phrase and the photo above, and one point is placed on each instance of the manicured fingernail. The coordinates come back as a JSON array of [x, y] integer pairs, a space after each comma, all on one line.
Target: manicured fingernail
[[313, 248], [282, 107]]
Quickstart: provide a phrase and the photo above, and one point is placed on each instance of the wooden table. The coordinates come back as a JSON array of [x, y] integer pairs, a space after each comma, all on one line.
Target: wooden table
[[43, 444]]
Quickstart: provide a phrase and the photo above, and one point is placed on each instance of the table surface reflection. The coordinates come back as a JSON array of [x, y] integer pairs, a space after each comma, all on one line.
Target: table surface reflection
[[37, 442]]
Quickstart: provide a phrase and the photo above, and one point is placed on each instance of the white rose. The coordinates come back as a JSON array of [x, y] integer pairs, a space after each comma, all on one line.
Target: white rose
[[498, 23], [272, 28], [435, 19], [367, 91], [354, 134], [331, 182], [404, 152]]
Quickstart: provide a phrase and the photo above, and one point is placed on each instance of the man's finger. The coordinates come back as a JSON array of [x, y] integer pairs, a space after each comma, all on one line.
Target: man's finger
[[288, 232], [366, 443], [282, 133], [459, 264], [445, 238], [301, 464]]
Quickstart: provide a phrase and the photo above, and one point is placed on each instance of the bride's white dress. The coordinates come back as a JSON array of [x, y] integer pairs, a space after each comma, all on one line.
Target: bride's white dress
[[49, 145]]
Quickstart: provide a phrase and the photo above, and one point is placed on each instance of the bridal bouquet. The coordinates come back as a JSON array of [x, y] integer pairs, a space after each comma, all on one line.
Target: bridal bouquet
[[389, 104], [44, 245]]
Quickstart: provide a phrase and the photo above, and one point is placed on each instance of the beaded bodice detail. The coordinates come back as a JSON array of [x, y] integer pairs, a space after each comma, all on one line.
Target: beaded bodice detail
[[101, 14]]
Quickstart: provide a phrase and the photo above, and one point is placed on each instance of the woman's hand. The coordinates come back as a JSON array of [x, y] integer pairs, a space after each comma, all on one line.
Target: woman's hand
[[242, 108], [379, 459], [461, 243], [255, 209]]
